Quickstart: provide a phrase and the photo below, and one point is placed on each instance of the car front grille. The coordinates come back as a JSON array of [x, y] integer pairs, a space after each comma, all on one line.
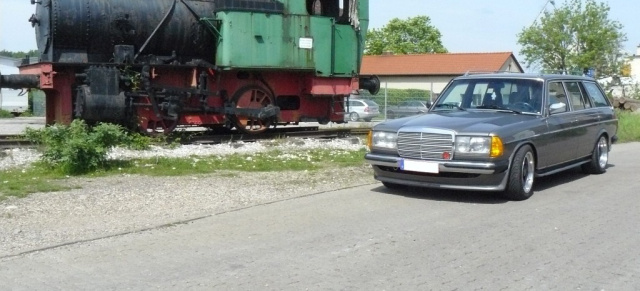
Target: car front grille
[[425, 146]]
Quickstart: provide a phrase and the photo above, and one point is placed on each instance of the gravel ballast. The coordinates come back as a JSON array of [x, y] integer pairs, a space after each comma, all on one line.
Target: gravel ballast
[[107, 206]]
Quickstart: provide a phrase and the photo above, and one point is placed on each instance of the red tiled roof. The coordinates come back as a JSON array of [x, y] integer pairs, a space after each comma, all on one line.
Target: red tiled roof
[[434, 64]]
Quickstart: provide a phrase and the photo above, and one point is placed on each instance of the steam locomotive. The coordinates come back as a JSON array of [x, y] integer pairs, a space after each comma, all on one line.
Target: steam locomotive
[[155, 65]]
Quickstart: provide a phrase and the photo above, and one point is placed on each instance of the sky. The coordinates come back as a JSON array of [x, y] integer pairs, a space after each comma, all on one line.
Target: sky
[[465, 25]]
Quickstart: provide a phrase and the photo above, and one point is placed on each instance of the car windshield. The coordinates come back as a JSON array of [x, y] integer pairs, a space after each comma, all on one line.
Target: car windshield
[[511, 95]]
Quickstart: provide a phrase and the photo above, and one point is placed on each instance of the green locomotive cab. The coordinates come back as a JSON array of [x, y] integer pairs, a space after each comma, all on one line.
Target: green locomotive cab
[[323, 36]]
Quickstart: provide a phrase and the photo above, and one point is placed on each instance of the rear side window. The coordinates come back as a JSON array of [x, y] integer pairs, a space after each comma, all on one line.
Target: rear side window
[[370, 103], [575, 96], [597, 98]]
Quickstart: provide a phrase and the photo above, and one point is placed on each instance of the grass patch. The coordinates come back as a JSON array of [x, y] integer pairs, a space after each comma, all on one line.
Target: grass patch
[[5, 114], [260, 162], [40, 177], [628, 126], [22, 182]]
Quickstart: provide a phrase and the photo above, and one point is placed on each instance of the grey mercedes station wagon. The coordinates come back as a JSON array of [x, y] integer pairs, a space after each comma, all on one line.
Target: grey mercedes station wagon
[[497, 132]]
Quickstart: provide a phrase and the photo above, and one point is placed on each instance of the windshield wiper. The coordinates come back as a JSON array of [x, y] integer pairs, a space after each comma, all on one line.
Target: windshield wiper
[[449, 105], [499, 108]]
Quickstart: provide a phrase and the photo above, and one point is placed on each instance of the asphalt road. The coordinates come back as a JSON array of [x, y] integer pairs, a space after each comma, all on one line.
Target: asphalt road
[[576, 233]]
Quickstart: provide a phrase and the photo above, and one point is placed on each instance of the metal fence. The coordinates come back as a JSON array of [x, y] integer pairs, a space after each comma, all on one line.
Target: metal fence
[[389, 99]]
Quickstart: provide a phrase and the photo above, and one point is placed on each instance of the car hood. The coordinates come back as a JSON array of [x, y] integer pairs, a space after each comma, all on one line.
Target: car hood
[[459, 121]]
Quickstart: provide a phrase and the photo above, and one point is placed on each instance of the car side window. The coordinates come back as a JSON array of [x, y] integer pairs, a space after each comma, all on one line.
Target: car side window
[[557, 96], [597, 97], [575, 95], [585, 96]]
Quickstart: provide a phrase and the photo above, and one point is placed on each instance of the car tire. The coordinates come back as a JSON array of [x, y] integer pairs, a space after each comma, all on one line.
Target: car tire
[[599, 157], [521, 175], [393, 186], [354, 116]]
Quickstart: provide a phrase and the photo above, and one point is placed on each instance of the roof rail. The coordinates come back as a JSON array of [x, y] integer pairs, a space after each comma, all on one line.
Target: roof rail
[[488, 72], [563, 72]]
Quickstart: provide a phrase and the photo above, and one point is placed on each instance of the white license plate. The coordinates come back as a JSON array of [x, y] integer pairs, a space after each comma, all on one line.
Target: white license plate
[[419, 166]]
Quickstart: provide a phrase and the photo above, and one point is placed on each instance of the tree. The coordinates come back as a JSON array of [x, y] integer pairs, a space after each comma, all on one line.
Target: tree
[[18, 55], [574, 37], [415, 35]]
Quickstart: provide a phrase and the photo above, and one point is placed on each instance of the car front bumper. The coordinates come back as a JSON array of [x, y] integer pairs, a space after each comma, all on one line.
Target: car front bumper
[[463, 175]]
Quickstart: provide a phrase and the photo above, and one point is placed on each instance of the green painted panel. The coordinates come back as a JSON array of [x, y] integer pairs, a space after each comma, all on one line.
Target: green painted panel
[[255, 40], [295, 7], [293, 41], [321, 32], [363, 14], [345, 51], [363, 10]]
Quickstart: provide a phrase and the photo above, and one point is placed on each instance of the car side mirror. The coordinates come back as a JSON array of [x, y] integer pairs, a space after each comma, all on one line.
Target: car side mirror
[[557, 108], [429, 104]]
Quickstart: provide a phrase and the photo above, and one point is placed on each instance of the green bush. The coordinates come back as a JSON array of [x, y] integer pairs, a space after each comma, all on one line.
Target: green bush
[[77, 148]]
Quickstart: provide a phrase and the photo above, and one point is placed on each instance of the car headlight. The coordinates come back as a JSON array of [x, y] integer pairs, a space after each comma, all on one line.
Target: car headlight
[[384, 140], [479, 145]]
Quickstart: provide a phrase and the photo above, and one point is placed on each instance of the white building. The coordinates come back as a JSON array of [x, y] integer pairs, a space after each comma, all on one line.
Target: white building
[[635, 65], [433, 71], [12, 100]]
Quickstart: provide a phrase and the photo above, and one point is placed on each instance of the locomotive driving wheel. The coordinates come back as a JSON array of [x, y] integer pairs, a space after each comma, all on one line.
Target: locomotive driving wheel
[[150, 124], [252, 97], [159, 127]]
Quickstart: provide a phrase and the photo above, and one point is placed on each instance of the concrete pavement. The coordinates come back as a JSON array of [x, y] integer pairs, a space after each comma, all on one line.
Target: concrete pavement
[[14, 126], [578, 232]]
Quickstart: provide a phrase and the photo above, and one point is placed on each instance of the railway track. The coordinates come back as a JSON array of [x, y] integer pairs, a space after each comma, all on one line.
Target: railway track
[[13, 141], [16, 141]]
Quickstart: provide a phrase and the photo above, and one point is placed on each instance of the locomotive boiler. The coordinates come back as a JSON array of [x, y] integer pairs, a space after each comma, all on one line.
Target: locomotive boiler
[[155, 65]]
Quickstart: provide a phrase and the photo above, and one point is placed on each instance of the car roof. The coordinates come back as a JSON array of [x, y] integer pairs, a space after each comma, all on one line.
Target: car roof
[[523, 76]]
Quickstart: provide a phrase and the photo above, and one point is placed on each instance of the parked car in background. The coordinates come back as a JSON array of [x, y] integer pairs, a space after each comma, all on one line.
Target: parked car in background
[[497, 132], [407, 108], [361, 109]]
